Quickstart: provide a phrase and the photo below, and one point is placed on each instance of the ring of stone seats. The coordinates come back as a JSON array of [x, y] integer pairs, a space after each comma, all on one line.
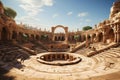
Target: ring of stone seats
[[61, 63]]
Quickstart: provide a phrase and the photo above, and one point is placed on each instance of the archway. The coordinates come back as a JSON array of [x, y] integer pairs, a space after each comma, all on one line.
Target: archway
[[20, 36], [63, 38], [72, 37], [56, 38], [37, 37], [14, 35], [60, 34], [110, 36], [83, 38], [88, 37], [100, 37], [64, 28], [4, 34], [26, 36], [32, 37], [79, 39], [94, 37]]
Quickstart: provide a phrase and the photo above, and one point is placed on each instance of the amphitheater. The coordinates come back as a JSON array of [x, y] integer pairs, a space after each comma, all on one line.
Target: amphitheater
[[30, 54]]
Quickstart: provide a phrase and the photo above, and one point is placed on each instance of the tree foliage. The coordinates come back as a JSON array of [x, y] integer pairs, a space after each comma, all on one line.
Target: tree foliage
[[76, 37], [87, 28], [44, 37], [10, 12]]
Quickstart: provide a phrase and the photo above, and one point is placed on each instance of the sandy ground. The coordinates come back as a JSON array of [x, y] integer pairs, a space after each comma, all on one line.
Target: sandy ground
[[113, 76], [36, 71]]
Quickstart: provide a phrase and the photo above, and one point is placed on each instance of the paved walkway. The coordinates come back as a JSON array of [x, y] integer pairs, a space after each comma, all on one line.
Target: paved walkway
[[88, 68]]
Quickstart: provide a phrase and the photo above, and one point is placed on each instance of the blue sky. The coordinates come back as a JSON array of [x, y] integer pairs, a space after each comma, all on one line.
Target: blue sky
[[71, 13]]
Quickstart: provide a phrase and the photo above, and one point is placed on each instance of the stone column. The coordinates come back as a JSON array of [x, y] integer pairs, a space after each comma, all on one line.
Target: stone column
[[104, 37], [65, 56], [87, 43], [118, 33], [115, 39], [118, 37], [10, 35], [56, 57], [115, 33], [97, 37], [53, 36], [91, 38], [70, 58], [17, 37], [0, 34], [46, 57], [61, 56], [66, 34], [51, 57]]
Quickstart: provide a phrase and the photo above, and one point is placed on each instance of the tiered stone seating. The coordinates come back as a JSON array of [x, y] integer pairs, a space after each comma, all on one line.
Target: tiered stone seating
[[98, 45], [107, 58], [39, 47], [9, 52], [83, 51], [39, 50], [33, 46]]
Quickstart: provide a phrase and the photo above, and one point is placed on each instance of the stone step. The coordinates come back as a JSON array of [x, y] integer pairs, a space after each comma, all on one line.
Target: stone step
[[116, 54], [104, 54], [115, 51]]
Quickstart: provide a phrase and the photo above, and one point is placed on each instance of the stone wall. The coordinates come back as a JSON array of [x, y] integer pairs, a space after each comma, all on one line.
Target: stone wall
[[106, 31]]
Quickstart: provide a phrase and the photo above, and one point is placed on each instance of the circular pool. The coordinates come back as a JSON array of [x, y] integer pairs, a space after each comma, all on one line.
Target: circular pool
[[58, 58]]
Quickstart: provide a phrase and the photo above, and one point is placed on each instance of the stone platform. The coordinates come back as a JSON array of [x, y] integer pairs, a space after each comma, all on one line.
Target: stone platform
[[85, 70]]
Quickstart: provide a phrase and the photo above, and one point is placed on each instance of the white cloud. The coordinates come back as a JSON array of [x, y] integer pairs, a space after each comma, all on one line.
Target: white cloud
[[82, 14], [33, 7], [69, 13], [55, 15], [88, 20]]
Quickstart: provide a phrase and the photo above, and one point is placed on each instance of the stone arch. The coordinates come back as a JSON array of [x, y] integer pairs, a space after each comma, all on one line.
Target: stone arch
[[32, 37], [72, 37], [111, 36], [83, 38], [37, 37], [100, 37], [88, 37], [14, 35], [69, 38], [93, 37], [27, 37], [60, 26], [56, 38], [59, 38], [63, 38], [4, 34], [79, 40], [20, 36]]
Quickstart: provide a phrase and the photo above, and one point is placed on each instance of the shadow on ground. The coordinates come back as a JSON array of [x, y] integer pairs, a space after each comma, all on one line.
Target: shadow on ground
[[3, 75]]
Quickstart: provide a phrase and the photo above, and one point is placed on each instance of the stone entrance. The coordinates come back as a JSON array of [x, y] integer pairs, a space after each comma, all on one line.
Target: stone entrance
[[63, 38]]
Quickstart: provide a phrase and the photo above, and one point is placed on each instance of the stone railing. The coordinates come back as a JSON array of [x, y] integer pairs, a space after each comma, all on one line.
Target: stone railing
[[25, 48], [102, 49], [78, 47]]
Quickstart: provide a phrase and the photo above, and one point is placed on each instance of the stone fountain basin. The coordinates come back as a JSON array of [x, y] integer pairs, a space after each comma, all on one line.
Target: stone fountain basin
[[58, 58]]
